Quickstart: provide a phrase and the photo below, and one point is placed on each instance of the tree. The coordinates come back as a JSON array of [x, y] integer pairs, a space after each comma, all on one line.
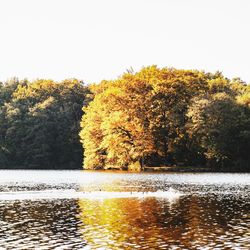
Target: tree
[[166, 116], [42, 122], [138, 118], [220, 128]]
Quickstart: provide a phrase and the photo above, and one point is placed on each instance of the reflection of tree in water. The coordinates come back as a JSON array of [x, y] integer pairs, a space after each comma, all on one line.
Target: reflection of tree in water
[[156, 224], [40, 223], [210, 221], [124, 223]]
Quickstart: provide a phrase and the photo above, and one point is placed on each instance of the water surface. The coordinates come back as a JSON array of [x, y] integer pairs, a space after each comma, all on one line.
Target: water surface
[[105, 210]]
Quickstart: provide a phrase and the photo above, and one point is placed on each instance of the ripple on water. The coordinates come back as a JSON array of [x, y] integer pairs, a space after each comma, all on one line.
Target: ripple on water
[[213, 213], [39, 223]]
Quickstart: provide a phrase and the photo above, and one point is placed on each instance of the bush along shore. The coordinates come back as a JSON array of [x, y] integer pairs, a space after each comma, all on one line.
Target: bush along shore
[[152, 120]]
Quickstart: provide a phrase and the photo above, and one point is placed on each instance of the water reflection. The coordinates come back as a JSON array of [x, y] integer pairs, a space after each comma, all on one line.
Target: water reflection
[[189, 223], [52, 211], [32, 224]]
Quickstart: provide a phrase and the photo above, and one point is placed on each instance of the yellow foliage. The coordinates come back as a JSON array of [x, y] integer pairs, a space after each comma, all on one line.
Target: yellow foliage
[[138, 115]]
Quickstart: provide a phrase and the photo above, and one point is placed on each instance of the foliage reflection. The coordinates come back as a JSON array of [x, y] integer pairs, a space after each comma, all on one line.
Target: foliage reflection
[[153, 223]]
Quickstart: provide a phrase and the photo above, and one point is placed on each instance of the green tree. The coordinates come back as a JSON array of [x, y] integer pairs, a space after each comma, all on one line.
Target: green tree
[[220, 128], [42, 122]]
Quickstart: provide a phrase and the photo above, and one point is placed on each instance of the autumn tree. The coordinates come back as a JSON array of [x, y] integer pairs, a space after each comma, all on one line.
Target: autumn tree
[[165, 116], [139, 117], [116, 130]]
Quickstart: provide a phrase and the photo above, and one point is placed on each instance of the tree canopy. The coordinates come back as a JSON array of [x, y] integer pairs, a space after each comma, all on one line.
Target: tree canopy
[[40, 122], [154, 117], [167, 117]]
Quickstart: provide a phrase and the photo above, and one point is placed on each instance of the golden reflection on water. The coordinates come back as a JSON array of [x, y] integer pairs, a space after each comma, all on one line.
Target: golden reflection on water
[[206, 216], [151, 223], [126, 223]]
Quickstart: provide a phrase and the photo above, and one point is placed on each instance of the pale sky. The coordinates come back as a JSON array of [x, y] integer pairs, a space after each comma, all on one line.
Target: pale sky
[[99, 39]]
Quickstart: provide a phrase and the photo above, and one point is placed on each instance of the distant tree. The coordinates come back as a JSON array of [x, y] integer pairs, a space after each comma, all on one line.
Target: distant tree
[[220, 128], [42, 121], [6, 91]]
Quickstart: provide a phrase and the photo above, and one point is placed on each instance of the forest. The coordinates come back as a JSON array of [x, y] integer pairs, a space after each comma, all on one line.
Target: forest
[[154, 117], [40, 122]]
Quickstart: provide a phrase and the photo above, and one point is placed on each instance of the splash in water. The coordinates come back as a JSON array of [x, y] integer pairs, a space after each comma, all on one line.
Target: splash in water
[[72, 194]]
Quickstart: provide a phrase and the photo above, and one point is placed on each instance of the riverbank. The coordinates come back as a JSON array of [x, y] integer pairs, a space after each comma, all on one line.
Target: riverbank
[[176, 169], [170, 169], [194, 169]]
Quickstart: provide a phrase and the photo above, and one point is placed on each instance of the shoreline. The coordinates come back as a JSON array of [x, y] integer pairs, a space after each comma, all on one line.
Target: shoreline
[[163, 169], [179, 169]]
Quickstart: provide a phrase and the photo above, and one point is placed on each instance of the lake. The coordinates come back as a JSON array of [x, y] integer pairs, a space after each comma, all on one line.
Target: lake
[[115, 210]]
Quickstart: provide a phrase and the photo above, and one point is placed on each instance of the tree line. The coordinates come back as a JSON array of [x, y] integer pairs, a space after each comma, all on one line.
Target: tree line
[[40, 122], [154, 117]]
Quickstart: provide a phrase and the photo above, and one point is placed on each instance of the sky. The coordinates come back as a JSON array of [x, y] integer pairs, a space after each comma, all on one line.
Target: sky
[[100, 39]]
